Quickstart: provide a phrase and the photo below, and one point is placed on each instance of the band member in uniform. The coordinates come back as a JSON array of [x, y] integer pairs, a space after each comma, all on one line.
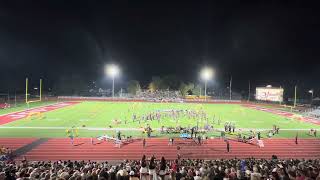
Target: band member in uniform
[[192, 131], [149, 131], [233, 127], [119, 135], [199, 140]]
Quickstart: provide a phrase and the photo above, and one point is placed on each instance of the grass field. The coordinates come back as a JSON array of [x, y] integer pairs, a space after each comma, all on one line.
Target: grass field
[[96, 116]]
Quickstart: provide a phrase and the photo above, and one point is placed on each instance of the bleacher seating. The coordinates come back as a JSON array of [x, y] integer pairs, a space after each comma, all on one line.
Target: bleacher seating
[[254, 169], [313, 113]]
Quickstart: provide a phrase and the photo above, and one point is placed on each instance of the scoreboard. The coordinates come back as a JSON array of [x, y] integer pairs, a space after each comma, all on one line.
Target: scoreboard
[[269, 94]]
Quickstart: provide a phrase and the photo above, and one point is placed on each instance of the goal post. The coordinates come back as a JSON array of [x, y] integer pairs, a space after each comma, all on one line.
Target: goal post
[[28, 93]]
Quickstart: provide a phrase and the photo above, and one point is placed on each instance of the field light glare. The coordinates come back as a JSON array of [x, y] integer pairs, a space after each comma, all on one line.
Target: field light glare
[[112, 70], [206, 73]]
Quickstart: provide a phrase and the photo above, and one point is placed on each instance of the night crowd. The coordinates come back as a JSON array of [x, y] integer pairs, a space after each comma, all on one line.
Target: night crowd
[[152, 169]]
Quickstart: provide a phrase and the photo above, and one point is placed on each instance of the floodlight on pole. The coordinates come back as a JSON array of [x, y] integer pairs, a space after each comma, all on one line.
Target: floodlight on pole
[[206, 74], [311, 92], [112, 70]]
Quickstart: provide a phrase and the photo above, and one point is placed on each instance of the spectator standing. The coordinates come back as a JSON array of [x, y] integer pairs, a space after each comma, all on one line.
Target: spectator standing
[[152, 169], [228, 146], [175, 165], [143, 169], [132, 176], [144, 143], [163, 167], [178, 152]]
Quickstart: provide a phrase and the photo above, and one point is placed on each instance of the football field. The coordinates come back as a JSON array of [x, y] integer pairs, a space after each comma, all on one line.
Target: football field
[[99, 118]]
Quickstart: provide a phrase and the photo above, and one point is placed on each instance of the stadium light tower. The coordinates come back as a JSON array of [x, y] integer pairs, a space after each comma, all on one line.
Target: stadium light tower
[[206, 74], [311, 92], [112, 70]]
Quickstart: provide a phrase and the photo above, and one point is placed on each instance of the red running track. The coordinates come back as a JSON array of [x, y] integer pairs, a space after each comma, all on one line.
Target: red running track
[[61, 149], [15, 143]]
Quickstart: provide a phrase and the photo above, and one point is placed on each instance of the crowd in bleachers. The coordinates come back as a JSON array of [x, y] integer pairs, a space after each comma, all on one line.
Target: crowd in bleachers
[[313, 112], [158, 95], [153, 169]]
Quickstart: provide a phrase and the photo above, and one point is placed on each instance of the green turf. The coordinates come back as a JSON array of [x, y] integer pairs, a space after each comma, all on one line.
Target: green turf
[[102, 114]]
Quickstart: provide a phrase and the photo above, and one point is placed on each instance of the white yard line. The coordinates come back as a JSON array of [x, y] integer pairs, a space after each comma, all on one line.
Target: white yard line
[[128, 129]]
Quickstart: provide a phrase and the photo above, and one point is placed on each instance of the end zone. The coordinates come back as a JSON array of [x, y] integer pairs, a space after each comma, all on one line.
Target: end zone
[[7, 118], [283, 113]]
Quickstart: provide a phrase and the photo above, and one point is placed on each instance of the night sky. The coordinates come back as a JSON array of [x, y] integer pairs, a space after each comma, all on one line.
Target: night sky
[[266, 42]]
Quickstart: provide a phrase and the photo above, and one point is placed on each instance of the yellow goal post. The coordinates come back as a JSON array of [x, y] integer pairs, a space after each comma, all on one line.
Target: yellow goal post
[[28, 94]]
